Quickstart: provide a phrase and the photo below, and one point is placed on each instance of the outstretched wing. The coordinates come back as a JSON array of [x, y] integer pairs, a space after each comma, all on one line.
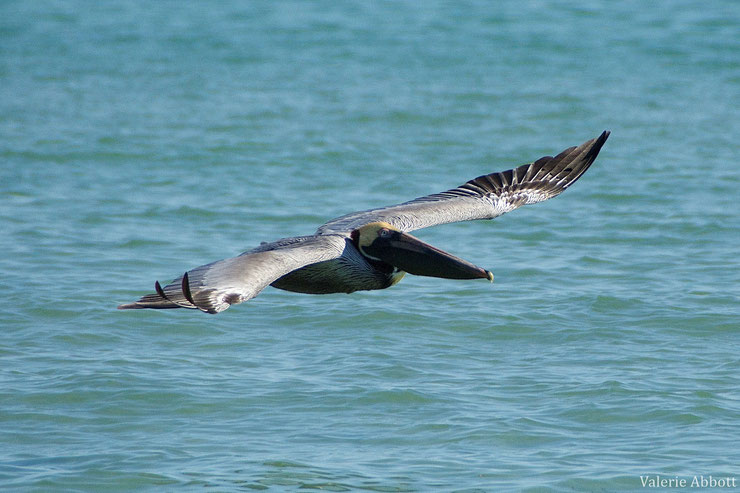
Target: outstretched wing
[[214, 287], [485, 197]]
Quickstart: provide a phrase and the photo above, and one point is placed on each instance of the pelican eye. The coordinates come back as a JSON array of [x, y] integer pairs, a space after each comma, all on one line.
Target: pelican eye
[[384, 233]]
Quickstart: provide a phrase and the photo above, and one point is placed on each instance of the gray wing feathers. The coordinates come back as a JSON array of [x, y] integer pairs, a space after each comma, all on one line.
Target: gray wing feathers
[[485, 197], [214, 287]]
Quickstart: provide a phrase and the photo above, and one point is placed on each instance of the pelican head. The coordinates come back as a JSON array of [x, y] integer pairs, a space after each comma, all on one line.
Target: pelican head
[[382, 242]]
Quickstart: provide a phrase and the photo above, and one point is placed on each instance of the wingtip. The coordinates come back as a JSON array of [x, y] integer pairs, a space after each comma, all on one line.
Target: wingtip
[[185, 287], [599, 142], [160, 291]]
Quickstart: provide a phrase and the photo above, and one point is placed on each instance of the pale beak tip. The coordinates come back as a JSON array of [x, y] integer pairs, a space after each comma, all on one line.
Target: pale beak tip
[[489, 275]]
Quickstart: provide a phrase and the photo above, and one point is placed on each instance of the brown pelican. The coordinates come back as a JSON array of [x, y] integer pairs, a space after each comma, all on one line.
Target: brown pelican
[[372, 249]]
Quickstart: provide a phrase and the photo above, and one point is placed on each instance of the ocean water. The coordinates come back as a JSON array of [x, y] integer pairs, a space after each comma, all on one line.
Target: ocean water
[[140, 139]]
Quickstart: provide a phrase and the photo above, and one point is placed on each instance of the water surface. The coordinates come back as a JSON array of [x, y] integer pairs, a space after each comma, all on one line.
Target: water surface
[[139, 140]]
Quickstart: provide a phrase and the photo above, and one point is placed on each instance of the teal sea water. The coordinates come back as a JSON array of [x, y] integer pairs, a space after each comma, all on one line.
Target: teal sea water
[[141, 139]]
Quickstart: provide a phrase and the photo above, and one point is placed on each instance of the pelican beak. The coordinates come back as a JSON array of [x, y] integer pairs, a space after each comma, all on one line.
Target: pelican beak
[[412, 255]]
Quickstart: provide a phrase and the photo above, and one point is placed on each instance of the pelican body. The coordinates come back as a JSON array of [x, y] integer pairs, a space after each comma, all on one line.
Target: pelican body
[[373, 249]]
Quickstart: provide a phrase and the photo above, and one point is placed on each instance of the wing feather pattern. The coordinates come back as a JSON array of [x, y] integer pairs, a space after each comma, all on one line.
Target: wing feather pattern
[[485, 197], [214, 287]]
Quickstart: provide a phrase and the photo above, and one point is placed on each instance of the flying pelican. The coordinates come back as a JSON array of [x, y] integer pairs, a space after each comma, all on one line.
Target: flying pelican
[[372, 249]]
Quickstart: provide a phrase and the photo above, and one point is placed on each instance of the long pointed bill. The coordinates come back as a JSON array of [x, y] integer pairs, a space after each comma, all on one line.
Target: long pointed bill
[[412, 255]]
